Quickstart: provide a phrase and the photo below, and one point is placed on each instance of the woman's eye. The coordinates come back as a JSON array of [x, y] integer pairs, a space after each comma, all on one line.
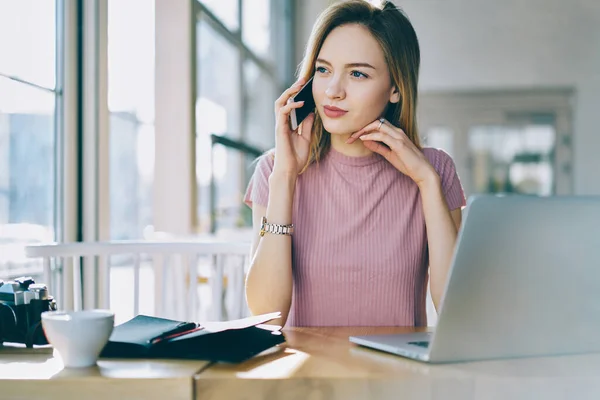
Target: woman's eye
[[358, 74], [321, 70]]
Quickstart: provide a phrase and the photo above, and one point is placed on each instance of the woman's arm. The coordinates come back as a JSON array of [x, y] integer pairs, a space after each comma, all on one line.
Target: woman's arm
[[269, 280], [442, 224], [442, 228]]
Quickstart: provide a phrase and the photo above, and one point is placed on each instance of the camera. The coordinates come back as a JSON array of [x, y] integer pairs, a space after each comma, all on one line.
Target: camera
[[22, 302]]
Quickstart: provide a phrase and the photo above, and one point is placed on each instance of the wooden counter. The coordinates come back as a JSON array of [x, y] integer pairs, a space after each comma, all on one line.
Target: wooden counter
[[320, 363], [37, 373]]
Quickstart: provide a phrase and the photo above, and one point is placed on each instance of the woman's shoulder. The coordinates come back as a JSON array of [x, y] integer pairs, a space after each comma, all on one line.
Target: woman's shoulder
[[264, 162], [438, 158], [444, 165], [257, 190]]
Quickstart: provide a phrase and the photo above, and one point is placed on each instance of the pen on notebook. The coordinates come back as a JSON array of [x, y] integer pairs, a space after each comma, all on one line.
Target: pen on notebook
[[174, 335]]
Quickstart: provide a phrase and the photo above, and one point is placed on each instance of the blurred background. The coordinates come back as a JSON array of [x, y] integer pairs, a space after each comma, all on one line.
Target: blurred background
[[123, 118]]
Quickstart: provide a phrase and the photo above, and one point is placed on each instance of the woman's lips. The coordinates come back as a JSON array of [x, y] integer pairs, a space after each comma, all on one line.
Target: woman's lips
[[334, 112]]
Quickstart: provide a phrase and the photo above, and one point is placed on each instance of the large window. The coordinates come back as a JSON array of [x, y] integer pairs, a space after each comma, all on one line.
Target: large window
[[513, 158], [239, 70], [131, 143], [28, 98], [131, 106], [503, 141]]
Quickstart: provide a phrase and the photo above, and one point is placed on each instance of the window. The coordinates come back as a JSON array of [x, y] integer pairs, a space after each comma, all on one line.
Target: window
[[513, 159], [256, 27], [238, 70], [131, 144], [28, 41], [28, 95], [217, 112], [226, 11], [131, 106], [505, 141], [260, 93]]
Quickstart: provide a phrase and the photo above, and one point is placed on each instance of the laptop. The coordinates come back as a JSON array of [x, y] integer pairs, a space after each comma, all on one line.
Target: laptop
[[524, 282]]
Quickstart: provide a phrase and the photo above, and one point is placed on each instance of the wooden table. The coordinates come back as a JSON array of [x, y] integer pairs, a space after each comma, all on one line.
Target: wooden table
[[38, 374], [316, 363], [320, 363]]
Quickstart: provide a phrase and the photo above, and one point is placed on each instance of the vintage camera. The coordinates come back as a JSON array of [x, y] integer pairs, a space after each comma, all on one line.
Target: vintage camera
[[22, 302]]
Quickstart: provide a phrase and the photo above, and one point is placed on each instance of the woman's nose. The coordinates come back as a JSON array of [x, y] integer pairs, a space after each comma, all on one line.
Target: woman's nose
[[335, 89]]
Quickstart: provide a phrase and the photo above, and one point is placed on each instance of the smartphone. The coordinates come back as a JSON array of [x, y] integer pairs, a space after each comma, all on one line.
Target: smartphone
[[298, 114]]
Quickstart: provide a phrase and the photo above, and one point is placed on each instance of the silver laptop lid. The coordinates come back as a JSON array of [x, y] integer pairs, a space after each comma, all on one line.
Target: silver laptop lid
[[525, 280]]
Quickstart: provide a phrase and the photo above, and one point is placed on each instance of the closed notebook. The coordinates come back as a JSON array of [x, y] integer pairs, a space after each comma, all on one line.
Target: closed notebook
[[226, 341]]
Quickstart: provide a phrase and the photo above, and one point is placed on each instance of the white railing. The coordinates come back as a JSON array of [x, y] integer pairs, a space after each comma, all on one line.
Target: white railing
[[227, 263]]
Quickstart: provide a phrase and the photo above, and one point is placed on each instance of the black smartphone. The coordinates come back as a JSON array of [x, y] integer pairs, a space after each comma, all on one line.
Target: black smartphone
[[298, 114]]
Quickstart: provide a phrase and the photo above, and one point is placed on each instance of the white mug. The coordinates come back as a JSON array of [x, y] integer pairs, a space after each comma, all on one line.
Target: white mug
[[78, 336]]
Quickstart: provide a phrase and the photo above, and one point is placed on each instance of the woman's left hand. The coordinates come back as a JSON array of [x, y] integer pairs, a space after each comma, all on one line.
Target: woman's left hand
[[400, 151]]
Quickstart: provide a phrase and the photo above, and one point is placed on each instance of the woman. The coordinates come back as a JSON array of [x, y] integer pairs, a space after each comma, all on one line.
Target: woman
[[374, 214]]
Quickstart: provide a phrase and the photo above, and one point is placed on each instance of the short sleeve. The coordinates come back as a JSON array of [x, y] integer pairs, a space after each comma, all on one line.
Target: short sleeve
[[446, 169], [258, 187]]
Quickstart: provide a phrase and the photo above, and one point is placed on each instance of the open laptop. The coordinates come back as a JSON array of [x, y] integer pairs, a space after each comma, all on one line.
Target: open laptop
[[524, 281]]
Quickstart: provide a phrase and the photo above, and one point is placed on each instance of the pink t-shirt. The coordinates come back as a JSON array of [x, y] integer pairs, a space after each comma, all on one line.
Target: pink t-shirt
[[359, 250]]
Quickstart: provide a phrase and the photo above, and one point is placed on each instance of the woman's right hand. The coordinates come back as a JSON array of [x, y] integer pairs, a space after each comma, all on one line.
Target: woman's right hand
[[292, 148]]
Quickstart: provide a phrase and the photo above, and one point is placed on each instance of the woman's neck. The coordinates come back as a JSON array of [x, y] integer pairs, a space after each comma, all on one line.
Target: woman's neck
[[356, 149]]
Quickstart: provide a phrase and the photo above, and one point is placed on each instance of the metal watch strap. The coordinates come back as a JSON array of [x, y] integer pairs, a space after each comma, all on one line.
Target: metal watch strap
[[277, 229]]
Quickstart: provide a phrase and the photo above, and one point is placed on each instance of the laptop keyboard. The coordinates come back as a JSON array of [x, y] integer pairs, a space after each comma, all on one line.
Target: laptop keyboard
[[420, 344]]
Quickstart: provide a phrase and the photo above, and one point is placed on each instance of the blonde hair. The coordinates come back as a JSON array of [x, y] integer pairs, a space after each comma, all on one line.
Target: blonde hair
[[395, 34]]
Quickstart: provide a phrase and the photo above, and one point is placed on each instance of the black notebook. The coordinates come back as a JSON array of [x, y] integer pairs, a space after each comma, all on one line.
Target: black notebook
[[227, 341]]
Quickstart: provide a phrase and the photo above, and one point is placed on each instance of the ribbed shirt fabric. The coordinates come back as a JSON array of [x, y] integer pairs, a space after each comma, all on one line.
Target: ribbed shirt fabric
[[359, 250]]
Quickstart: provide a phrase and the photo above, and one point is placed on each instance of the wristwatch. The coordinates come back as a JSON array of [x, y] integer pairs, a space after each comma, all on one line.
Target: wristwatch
[[277, 229]]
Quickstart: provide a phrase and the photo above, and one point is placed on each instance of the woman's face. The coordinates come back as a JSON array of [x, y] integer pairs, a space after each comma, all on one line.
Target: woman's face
[[352, 85]]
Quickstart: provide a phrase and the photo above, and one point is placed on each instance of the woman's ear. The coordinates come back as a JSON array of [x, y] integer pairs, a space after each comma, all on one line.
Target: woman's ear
[[394, 95]]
